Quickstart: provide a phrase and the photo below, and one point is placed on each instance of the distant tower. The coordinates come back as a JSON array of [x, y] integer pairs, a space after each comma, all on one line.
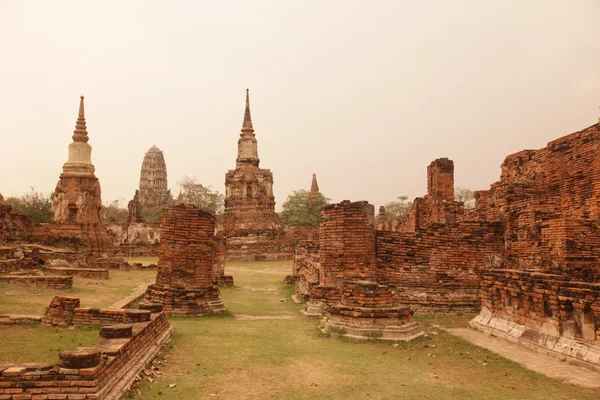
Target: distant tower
[[314, 187], [154, 191], [249, 200]]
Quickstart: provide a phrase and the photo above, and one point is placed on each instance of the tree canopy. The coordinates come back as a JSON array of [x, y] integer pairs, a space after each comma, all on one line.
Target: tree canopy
[[113, 213], [33, 204], [302, 208], [199, 195], [398, 209]]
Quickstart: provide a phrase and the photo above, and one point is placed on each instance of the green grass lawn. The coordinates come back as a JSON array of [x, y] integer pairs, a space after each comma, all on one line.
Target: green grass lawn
[[38, 343], [20, 299], [273, 358]]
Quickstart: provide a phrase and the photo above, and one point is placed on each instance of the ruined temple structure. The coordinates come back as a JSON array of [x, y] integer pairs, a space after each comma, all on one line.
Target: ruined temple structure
[[135, 237], [438, 206], [249, 221], [153, 190], [526, 256], [188, 250], [77, 201], [134, 208], [356, 304], [314, 186], [434, 262], [545, 290]]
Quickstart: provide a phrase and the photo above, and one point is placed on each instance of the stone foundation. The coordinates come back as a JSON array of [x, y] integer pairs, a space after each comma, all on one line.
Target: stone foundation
[[186, 301], [545, 340], [366, 311]]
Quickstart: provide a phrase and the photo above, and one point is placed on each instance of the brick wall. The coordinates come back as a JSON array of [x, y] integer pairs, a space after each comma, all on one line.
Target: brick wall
[[102, 380], [54, 282], [438, 267]]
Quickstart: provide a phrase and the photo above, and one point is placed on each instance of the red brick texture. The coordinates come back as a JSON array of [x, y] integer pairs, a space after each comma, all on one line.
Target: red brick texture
[[184, 283]]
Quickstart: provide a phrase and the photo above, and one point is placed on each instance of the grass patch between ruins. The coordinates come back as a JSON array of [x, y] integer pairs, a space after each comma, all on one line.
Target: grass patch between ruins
[[19, 299], [275, 353], [40, 344]]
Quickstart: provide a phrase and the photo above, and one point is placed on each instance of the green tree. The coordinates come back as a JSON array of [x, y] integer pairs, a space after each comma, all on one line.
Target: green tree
[[398, 209], [114, 213], [199, 195], [302, 209], [33, 204]]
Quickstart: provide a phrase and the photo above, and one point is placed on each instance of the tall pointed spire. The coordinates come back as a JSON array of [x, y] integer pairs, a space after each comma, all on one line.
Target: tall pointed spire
[[314, 187], [80, 133], [247, 124]]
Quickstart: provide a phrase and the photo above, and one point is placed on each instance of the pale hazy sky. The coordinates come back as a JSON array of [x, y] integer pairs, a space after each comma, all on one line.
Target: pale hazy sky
[[363, 93]]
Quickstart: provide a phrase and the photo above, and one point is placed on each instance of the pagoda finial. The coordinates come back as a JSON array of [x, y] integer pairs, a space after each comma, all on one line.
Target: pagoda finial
[[80, 133], [314, 187], [247, 124]]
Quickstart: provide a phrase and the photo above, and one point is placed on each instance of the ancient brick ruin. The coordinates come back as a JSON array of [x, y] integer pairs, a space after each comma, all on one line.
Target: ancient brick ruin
[[128, 339], [434, 260], [134, 210], [249, 221], [344, 283], [527, 255], [77, 201], [545, 291], [154, 191], [185, 280]]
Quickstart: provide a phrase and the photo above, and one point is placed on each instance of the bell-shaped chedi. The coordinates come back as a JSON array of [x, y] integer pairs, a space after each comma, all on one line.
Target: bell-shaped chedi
[[154, 190], [77, 197]]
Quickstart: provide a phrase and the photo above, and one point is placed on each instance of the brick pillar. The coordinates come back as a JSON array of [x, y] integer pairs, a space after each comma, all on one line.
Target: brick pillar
[[440, 180], [219, 276], [355, 304], [347, 242], [184, 283]]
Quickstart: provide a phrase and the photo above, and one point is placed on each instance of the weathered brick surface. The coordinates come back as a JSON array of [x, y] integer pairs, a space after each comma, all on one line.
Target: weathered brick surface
[[61, 310], [547, 200], [16, 227], [90, 273], [306, 269], [438, 268], [219, 277], [347, 242], [343, 281], [83, 374], [184, 283], [55, 282]]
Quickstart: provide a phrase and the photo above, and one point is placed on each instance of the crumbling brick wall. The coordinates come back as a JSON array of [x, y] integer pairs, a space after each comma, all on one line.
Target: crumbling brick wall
[[438, 206], [549, 202], [438, 267]]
